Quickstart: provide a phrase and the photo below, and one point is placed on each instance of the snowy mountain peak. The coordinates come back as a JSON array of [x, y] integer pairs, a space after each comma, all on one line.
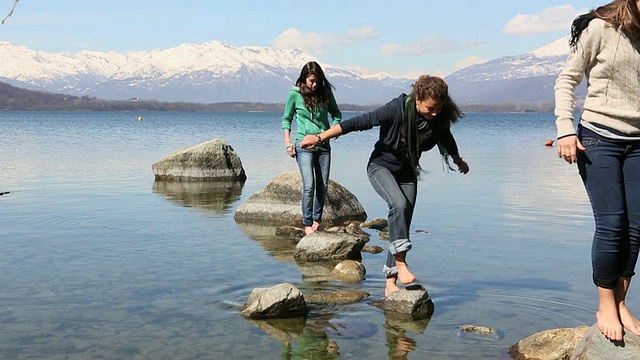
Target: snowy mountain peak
[[559, 47]]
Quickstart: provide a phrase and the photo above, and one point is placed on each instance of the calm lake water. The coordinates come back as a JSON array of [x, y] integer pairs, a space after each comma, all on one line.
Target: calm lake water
[[97, 262]]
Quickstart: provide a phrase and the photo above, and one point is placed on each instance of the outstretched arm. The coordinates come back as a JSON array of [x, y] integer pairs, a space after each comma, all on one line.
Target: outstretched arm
[[310, 141]]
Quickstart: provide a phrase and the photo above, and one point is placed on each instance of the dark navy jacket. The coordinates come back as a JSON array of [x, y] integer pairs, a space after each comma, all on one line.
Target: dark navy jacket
[[388, 150]]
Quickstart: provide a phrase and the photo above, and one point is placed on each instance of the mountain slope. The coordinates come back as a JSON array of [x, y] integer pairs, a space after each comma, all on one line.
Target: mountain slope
[[526, 78], [206, 73], [216, 72]]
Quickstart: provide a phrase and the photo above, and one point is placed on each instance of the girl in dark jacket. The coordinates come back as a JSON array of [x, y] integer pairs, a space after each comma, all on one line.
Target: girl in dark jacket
[[409, 125]]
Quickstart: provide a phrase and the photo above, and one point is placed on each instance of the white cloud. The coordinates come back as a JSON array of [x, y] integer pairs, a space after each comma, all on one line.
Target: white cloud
[[551, 19], [425, 45], [321, 43], [471, 60]]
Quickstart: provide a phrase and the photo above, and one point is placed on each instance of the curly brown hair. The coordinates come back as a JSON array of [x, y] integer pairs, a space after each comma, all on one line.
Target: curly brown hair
[[433, 87]]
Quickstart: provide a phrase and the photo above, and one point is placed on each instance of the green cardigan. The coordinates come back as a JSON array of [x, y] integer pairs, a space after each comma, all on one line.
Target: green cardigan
[[308, 123]]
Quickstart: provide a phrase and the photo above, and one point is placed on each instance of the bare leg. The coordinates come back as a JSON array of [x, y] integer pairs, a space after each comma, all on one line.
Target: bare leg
[[391, 285], [608, 319], [629, 321], [404, 274]]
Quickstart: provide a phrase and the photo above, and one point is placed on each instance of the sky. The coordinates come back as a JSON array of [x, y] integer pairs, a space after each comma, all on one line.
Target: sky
[[402, 38]]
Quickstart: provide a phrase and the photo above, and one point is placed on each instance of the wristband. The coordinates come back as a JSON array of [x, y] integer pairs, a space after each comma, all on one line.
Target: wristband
[[319, 138]]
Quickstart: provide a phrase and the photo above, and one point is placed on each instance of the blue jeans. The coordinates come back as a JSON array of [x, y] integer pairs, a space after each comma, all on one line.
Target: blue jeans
[[399, 192], [314, 165], [610, 171]]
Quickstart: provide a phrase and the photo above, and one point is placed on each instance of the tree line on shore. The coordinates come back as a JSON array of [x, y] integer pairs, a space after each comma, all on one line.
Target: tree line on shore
[[16, 99]]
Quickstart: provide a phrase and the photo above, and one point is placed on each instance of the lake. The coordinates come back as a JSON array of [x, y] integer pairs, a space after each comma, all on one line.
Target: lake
[[99, 263]]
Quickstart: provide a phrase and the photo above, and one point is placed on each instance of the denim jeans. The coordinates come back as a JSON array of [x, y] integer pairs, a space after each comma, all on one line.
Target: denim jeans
[[399, 192], [314, 165], [610, 171]]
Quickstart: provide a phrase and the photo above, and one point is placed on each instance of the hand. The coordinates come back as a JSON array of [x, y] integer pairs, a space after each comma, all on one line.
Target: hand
[[568, 148], [291, 150], [309, 141], [463, 167]]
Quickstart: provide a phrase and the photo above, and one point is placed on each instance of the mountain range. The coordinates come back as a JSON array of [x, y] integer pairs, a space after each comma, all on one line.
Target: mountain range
[[216, 72]]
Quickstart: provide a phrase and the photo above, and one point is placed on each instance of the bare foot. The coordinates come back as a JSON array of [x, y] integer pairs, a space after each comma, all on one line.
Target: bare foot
[[308, 230], [629, 321], [391, 286], [317, 226], [609, 323], [404, 275]]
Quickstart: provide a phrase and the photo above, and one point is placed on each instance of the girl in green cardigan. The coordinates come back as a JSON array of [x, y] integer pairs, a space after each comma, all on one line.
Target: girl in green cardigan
[[311, 102]]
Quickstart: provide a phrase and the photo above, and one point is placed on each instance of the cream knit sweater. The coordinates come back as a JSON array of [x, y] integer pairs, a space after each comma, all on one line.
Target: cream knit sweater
[[612, 68]]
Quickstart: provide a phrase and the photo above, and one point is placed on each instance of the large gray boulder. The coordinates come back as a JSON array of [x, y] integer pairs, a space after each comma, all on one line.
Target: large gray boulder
[[325, 245], [553, 344], [214, 160], [279, 204], [279, 301], [595, 346], [412, 302]]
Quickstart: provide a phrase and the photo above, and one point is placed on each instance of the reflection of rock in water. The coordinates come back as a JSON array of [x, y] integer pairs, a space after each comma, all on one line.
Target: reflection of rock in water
[[396, 328], [214, 196], [281, 249], [282, 329]]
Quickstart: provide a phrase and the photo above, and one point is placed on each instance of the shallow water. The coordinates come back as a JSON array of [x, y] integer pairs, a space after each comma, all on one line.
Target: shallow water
[[100, 262]]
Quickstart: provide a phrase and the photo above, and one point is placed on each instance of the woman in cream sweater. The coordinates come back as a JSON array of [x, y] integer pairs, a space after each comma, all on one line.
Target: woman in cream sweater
[[606, 146]]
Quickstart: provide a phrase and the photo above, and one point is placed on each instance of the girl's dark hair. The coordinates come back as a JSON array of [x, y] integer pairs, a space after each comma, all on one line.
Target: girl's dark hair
[[321, 96], [433, 87], [620, 14]]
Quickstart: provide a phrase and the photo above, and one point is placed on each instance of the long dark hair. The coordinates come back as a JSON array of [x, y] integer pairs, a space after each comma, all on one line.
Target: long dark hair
[[321, 96], [622, 15], [433, 87]]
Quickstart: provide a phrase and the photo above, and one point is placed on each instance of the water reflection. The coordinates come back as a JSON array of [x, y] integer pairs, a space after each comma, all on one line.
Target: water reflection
[[302, 338], [207, 195], [396, 329], [280, 248]]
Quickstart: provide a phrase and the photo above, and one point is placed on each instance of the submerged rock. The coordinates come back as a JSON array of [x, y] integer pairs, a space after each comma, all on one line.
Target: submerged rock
[[214, 160], [349, 270], [336, 297], [279, 204]]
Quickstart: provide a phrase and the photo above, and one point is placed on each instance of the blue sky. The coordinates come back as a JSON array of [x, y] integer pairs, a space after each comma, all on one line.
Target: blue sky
[[399, 37]]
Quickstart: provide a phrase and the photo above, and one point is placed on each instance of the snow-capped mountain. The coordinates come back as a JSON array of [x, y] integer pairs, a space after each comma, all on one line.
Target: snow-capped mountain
[[217, 72], [206, 73], [526, 78]]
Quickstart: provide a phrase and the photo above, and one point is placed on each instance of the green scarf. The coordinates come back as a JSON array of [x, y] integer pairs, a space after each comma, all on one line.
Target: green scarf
[[413, 125]]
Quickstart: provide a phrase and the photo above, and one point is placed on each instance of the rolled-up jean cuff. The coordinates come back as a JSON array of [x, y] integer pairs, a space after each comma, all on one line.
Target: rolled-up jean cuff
[[400, 245], [389, 271]]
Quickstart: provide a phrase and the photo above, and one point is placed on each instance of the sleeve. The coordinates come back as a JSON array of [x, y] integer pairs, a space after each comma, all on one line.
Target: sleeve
[[289, 111], [447, 144], [580, 60], [377, 117], [336, 115]]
